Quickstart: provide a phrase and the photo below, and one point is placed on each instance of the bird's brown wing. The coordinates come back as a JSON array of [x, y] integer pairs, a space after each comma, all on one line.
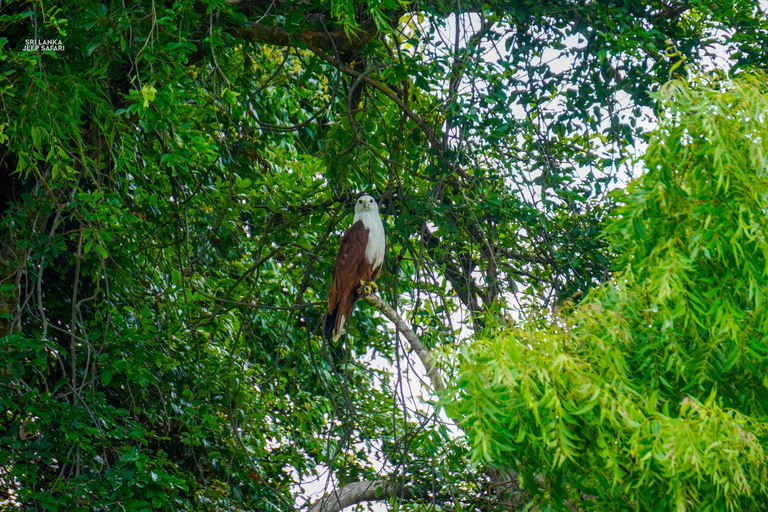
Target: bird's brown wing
[[349, 269]]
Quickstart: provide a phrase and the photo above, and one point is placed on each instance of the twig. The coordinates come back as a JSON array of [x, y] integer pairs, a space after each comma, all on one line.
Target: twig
[[256, 305], [75, 305]]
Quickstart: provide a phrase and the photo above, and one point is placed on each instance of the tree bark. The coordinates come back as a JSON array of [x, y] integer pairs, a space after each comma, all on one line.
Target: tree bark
[[359, 492]]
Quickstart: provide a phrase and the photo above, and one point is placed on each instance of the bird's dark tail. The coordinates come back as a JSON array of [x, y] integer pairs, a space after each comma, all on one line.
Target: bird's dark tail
[[330, 323]]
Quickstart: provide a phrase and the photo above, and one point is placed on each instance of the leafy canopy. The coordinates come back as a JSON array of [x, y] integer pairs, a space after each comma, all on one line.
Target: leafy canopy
[[651, 394]]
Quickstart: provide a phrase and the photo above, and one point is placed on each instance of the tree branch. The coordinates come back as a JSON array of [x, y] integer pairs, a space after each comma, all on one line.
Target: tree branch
[[426, 358], [434, 143], [460, 278], [386, 91], [338, 40], [358, 492]]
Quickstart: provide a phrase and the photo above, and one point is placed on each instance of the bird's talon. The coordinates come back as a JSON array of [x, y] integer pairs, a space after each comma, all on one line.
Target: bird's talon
[[367, 288]]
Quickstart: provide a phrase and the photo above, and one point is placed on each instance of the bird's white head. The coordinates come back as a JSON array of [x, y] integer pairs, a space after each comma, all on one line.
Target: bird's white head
[[366, 203]]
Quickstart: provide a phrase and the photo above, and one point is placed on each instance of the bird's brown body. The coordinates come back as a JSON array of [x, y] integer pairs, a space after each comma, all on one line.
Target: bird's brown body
[[359, 259]]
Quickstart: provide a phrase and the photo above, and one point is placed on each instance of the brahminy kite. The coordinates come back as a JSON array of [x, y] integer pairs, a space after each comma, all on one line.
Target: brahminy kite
[[358, 264]]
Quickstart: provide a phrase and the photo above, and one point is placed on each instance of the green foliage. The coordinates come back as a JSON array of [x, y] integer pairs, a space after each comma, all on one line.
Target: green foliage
[[183, 172], [651, 393]]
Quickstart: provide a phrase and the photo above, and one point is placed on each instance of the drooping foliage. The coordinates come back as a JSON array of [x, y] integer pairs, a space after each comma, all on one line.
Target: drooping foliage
[[651, 394], [175, 179]]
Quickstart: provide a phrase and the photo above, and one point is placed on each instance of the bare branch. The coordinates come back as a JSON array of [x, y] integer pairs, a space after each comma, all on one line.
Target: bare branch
[[426, 358], [359, 492]]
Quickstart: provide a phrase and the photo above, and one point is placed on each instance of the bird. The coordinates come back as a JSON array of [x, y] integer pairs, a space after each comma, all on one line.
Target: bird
[[358, 264]]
